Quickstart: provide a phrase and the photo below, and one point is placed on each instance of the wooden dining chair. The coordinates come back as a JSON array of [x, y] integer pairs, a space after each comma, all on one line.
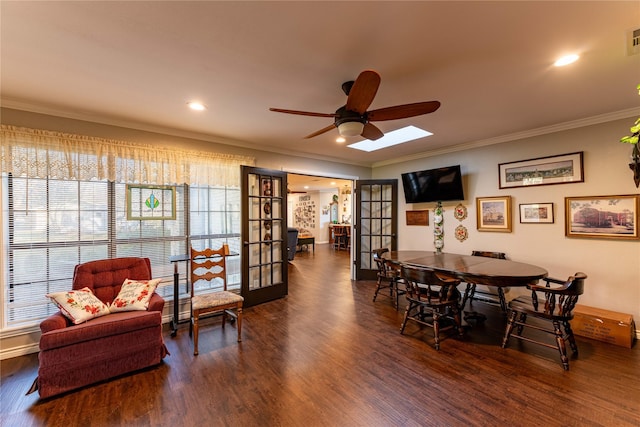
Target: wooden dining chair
[[433, 301], [387, 278], [548, 304], [209, 265]]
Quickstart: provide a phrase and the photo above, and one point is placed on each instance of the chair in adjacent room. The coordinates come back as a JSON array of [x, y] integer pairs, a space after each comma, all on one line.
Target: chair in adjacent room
[[209, 265], [548, 304], [433, 301], [388, 277], [470, 291], [339, 237]]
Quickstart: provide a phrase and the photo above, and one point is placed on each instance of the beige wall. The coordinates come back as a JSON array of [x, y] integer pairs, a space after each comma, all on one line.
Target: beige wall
[[613, 266]]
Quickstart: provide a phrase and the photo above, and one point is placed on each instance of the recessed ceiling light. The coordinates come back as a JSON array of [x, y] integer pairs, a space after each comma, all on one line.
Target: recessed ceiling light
[[340, 139], [566, 60], [389, 139], [197, 106]]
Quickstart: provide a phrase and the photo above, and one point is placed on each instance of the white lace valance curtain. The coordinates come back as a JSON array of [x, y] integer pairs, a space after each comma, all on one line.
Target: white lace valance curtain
[[39, 154]]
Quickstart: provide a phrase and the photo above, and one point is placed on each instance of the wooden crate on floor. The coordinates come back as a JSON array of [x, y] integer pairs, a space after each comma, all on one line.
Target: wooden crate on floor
[[604, 325]]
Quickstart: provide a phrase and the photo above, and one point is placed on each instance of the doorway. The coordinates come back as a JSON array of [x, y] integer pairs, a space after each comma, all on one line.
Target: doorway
[[316, 203]]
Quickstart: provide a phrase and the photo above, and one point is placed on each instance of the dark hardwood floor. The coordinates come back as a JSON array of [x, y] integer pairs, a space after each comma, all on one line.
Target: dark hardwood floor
[[326, 355]]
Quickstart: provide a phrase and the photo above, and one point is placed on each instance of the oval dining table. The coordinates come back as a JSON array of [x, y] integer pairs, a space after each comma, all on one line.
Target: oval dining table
[[472, 269]]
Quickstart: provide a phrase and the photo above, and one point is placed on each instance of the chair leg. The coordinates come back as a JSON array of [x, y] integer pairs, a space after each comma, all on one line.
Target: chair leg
[[397, 293], [436, 329], [522, 320], [458, 320], [561, 346], [406, 316], [571, 338], [239, 322], [509, 329], [375, 295], [195, 334]]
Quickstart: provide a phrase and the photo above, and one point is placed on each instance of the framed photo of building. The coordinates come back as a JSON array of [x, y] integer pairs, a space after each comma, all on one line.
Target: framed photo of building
[[562, 169], [611, 217], [536, 213], [493, 213]]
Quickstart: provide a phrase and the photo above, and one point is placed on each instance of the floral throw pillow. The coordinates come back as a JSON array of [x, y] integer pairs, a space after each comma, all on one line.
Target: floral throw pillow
[[79, 305], [134, 295]]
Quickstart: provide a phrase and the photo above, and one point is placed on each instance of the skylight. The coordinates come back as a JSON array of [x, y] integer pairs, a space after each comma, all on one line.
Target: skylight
[[392, 138]]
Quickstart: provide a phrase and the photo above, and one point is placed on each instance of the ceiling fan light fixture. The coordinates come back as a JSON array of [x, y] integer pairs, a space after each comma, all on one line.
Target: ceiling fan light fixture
[[350, 128]]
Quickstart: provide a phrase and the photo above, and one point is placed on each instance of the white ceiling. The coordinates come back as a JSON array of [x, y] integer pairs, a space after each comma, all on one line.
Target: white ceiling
[[489, 63]]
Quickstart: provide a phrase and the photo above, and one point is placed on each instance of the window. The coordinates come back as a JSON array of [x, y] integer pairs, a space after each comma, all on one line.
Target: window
[[62, 205]]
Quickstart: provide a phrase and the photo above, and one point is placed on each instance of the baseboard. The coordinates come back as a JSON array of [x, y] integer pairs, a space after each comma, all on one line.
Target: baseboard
[[22, 350]]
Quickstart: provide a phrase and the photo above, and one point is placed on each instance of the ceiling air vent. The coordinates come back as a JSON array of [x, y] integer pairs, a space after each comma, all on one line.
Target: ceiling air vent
[[633, 42]]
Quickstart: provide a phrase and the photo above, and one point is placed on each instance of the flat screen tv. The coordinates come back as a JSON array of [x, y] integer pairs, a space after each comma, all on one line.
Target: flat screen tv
[[433, 185]]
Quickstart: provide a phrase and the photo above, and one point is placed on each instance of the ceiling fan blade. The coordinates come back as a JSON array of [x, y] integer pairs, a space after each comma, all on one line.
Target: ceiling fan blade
[[321, 131], [403, 111], [371, 132], [303, 113], [363, 91]]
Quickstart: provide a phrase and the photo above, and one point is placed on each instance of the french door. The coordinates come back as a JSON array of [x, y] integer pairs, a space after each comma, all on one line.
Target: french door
[[264, 235], [377, 225]]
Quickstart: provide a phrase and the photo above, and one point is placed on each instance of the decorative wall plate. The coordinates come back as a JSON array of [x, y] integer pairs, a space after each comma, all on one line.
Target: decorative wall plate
[[461, 233], [267, 208], [460, 212]]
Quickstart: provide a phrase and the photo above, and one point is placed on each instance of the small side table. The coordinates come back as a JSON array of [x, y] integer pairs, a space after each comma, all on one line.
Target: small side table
[[175, 259], [307, 241]]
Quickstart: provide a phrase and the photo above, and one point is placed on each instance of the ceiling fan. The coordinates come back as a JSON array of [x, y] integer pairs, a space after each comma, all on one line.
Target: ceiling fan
[[353, 119]]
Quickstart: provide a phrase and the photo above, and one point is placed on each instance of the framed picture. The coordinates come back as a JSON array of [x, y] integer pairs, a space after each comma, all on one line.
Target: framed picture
[[145, 202], [562, 169], [494, 213], [266, 187], [536, 213], [612, 217]]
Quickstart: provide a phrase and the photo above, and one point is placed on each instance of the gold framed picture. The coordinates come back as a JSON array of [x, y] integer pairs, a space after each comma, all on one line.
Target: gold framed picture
[[493, 213], [610, 217]]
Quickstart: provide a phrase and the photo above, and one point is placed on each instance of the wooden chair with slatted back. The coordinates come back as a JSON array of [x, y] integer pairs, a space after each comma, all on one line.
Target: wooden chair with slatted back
[[549, 304], [209, 265], [387, 278], [433, 301]]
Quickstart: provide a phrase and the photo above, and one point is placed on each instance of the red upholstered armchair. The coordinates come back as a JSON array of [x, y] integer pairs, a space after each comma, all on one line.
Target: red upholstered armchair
[[72, 356]]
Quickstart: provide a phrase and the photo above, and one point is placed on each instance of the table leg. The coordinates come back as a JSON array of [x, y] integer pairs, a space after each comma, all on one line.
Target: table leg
[[176, 300]]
